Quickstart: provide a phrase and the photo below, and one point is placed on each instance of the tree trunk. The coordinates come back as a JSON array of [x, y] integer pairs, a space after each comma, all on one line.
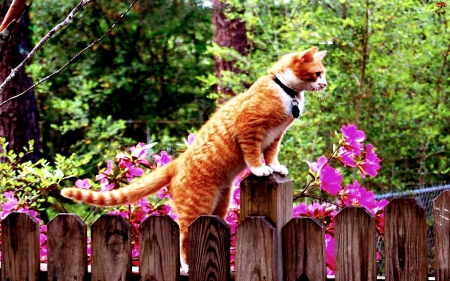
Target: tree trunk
[[19, 117], [227, 33]]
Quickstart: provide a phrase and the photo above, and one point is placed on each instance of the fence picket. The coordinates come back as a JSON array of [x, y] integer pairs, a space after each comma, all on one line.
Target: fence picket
[[209, 249], [355, 245], [405, 240], [441, 212], [159, 254], [67, 248], [111, 249], [304, 250], [20, 247], [256, 250]]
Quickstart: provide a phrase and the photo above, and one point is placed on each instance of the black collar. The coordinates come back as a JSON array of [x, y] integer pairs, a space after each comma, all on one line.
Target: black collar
[[288, 90]]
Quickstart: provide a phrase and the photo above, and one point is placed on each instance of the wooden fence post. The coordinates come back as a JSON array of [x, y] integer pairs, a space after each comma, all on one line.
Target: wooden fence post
[[67, 247], [441, 212], [355, 245], [209, 249], [405, 242], [20, 247], [159, 249], [270, 197], [256, 258], [304, 250], [111, 249]]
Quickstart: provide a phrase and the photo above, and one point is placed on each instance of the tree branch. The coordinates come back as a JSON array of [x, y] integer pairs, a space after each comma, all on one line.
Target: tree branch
[[39, 45], [75, 57]]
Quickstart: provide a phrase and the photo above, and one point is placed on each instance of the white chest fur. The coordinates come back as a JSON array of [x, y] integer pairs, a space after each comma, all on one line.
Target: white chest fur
[[273, 133]]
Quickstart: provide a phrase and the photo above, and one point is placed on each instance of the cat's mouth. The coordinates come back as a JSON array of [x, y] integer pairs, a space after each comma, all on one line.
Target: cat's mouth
[[316, 89]]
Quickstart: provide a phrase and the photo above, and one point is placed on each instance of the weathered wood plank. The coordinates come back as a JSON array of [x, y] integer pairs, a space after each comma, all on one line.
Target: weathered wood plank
[[304, 250], [159, 254], [67, 248], [405, 240], [209, 249], [270, 197], [111, 249], [441, 212], [20, 247], [355, 245], [256, 239]]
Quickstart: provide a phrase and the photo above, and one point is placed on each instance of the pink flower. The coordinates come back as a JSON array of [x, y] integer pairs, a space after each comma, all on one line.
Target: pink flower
[[330, 178], [163, 193], [162, 159], [353, 138], [329, 252], [83, 184], [346, 157], [190, 140], [104, 174], [11, 204], [133, 172], [140, 152], [370, 164]]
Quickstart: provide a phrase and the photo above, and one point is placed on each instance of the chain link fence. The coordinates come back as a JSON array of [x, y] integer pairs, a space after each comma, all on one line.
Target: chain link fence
[[425, 197]]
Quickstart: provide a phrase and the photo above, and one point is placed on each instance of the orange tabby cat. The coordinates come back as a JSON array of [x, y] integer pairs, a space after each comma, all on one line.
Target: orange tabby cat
[[248, 126]]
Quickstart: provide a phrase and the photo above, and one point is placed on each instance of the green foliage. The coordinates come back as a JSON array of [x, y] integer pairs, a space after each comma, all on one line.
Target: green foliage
[[387, 68], [36, 184], [145, 72]]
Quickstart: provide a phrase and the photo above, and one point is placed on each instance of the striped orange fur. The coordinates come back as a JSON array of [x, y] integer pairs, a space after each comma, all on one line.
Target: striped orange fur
[[247, 127]]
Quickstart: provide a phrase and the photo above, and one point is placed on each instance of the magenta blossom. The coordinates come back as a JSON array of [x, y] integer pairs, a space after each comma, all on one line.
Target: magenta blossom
[[140, 152], [353, 138], [190, 140], [347, 158], [83, 184], [162, 159], [329, 177], [104, 174], [329, 252], [370, 164], [11, 204]]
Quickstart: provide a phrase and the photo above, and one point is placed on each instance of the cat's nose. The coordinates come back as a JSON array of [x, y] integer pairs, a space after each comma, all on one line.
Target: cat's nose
[[322, 85]]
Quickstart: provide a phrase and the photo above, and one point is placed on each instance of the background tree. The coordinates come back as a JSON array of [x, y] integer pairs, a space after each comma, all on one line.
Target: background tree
[[19, 117], [232, 34], [140, 83]]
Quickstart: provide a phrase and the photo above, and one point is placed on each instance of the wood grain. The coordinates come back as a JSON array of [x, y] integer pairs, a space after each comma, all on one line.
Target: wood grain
[[159, 253], [256, 239], [441, 212], [209, 249], [304, 250], [270, 197], [20, 247], [111, 249], [405, 241], [67, 248], [355, 245]]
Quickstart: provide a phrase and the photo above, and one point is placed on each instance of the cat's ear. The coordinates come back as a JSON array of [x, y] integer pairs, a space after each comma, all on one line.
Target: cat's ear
[[320, 55], [308, 56]]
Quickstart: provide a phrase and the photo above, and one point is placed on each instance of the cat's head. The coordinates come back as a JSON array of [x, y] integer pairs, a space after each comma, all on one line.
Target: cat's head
[[302, 71]]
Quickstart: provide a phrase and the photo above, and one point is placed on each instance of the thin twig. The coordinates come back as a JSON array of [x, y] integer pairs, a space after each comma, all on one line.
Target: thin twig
[[44, 39], [72, 59], [313, 179]]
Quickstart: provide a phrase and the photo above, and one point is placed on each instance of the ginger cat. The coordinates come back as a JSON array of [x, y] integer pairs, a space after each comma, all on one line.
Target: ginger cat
[[247, 127]]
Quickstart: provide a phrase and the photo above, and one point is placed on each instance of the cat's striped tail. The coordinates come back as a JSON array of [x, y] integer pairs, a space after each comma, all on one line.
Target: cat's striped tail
[[145, 186]]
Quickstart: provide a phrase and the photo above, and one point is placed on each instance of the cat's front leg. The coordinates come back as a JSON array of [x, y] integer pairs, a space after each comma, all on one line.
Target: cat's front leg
[[250, 145], [271, 157]]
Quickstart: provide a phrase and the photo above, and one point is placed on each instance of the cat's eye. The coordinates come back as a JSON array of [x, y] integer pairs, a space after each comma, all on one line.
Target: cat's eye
[[318, 74]]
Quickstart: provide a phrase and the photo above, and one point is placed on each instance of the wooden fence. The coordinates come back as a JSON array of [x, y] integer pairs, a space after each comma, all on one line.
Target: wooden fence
[[270, 245]]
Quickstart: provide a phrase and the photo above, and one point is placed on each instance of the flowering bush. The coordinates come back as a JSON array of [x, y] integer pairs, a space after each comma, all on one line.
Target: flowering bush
[[350, 153]]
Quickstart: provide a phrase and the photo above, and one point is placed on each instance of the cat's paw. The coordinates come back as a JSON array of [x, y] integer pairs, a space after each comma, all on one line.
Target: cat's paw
[[184, 267], [281, 169], [261, 171]]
